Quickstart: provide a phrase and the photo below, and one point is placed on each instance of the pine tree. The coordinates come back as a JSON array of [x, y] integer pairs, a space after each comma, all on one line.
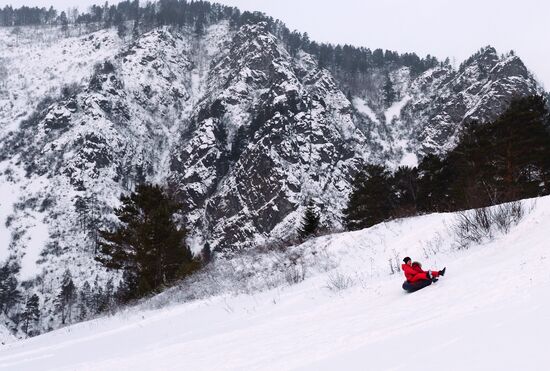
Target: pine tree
[[97, 297], [370, 200], [31, 314], [119, 23], [389, 93], [64, 21], [108, 296], [495, 162], [404, 183], [9, 291], [147, 244], [66, 297], [310, 221], [199, 24], [94, 219], [135, 30], [89, 217], [127, 288], [521, 147], [436, 180], [206, 254], [85, 301]]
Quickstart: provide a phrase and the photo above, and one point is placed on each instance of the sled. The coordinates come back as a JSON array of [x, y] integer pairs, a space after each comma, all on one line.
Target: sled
[[412, 287]]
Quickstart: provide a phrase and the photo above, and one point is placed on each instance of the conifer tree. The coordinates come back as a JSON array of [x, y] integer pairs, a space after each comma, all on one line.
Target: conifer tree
[[310, 221], [521, 147], [96, 299], [199, 24], [9, 291], [370, 200], [147, 244], [135, 30], [120, 25], [64, 21], [389, 92], [436, 178], [107, 302], [66, 297], [494, 162], [206, 254], [31, 314], [404, 191], [85, 301], [127, 288]]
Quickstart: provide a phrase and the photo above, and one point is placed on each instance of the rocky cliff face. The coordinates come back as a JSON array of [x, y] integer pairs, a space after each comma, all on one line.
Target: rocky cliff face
[[243, 132], [431, 108], [271, 132]]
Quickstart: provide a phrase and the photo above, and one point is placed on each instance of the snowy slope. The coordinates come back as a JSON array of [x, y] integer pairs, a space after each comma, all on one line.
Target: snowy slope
[[40, 61], [489, 312], [245, 132], [5, 335]]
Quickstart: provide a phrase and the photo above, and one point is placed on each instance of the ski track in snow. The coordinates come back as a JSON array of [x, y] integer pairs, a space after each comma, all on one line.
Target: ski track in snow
[[491, 311]]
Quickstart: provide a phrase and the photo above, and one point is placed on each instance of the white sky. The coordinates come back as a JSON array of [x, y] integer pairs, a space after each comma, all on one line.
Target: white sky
[[454, 28]]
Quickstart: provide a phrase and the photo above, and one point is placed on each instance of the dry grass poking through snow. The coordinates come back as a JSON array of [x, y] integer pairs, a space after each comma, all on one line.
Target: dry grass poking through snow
[[482, 225]]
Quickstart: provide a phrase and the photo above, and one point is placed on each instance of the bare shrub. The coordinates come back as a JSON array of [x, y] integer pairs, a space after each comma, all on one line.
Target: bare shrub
[[278, 244], [473, 226], [394, 263], [70, 90], [433, 246], [481, 225], [295, 271], [338, 282], [508, 215]]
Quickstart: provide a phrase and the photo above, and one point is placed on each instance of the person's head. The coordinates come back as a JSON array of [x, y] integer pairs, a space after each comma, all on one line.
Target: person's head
[[407, 260]]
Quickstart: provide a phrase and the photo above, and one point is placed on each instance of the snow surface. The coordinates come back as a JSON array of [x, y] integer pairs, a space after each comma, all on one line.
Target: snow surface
[[41, 61], [394, 111], [491, 311], [409, 159], [38, 237], [362, 106], [5, 335]]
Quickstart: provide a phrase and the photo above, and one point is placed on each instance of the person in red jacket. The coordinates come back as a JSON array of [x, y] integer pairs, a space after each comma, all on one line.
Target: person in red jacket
[[416, 277]]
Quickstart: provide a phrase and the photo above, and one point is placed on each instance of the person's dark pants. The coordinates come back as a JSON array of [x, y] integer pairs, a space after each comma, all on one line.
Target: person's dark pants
[[415, 286]]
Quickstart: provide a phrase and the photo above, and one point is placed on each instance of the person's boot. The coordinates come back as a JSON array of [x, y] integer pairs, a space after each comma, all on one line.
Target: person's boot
[[434, 280], [442, 272]]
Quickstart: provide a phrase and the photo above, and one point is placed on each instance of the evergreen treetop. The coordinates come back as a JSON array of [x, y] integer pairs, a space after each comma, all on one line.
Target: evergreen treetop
[[147, 244], [370, 200], [310, 221]]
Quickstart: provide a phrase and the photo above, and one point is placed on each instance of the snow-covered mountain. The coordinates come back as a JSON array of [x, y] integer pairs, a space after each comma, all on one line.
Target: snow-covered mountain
[[490, 310], [430, 109], [242, 130]]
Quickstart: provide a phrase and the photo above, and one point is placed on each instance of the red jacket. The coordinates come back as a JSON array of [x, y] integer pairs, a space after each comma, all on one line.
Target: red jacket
[[415, 273]]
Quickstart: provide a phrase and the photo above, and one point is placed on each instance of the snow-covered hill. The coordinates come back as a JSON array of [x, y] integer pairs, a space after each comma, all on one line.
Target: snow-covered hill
[[489, 312], [244, 131]]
